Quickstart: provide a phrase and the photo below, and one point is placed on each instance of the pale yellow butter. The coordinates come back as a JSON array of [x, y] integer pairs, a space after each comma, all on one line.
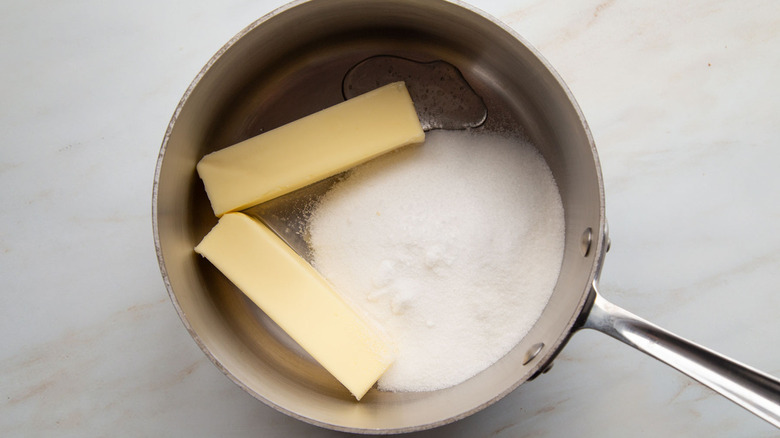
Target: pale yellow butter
[[310, 149], [298, 299]]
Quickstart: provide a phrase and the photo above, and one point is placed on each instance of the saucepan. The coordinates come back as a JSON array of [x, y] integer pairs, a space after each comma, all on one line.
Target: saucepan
[[291, 63]]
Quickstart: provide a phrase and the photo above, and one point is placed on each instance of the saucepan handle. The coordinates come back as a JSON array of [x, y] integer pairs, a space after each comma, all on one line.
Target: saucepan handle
[[754, 390]]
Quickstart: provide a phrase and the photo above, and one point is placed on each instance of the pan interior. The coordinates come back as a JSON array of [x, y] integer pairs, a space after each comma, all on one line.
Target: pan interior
[[291, 64]]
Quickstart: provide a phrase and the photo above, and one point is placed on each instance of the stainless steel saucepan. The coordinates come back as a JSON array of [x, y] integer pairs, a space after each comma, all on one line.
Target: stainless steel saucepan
[[291, 63]]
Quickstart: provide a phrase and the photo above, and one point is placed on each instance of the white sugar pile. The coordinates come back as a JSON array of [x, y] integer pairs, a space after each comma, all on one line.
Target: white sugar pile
[[452, 247]]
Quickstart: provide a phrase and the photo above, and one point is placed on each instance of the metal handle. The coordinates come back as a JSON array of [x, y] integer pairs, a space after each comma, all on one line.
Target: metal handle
[[754, 390]]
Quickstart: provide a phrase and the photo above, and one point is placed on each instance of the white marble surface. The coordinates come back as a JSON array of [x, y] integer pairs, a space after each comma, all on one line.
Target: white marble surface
[[684, 103]]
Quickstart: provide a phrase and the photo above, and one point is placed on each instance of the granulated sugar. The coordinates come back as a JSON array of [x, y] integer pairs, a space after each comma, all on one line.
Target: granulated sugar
[[452, 247]]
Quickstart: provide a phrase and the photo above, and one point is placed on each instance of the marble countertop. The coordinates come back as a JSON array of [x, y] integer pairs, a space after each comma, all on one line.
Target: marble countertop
[[684, 109]]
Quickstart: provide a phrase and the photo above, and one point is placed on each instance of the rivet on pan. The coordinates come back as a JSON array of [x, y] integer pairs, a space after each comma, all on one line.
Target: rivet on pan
[[533, 352], [587, 241]]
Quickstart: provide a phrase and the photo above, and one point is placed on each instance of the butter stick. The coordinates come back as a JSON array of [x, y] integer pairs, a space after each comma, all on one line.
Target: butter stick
[[310, 149], [298, 299]]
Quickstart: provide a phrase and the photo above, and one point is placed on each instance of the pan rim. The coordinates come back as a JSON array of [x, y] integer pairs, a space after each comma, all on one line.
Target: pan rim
[[552, 352]]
